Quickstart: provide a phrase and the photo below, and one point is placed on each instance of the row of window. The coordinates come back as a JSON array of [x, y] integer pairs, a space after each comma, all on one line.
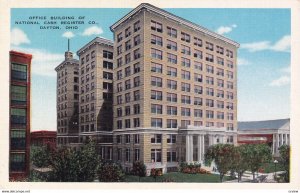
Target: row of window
[[172, 123], [65, 72], [105, 54], [105, 65], [185, 37], [128, 31], [172, 58]]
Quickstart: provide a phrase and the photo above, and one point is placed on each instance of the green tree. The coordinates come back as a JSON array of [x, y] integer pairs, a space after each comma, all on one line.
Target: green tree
[[87, 162], [139, 169], [110, 172], [240, 164], [256, 155], [40, 156], [222, 155], [284, 160]]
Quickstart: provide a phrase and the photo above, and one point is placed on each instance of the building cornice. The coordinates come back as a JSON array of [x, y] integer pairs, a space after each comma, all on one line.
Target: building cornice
[[67, 62], [175, 18], [97, 40]]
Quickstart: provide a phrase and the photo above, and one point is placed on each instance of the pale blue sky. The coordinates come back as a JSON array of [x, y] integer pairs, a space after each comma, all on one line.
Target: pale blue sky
[[263, 66]]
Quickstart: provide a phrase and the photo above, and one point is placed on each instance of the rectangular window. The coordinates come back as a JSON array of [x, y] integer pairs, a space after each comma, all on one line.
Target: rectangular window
[[156, 26], [185, 75], [156, 95], [127, 58], [185, 123], [185, 62], [127, 32], [209, 58], [108, 75], [185, 49], [127, 155], [220, 115], [136, 95], [136, 81], [220, 93], [171, 156], [127, 123], [127, 138], [156, 122], [171, 45], [127, 97], [136, 138], [185, 99], [185, 87], [210, 91], [136, 109], [156, 109], [156, 40], [198, 54], [18, 94], [137, 26], [137, 40], [172, 32], [171, 123], [107, 54], [18, 139], [137, 67], [198, 101], [156, 138], [220, 83], [136, 154], [119, 50], [220, 50], [172, 97], [209, 80], [220, 104], [155, 67], [171, 138], [197, 42], [209, 114], [197, 65], [172, 58], [119, 124], [172, 84], [185, 111], [128, 45], [19, 72], [136, 54], [156, 81], [171, 110], [185, 37], [155, 155], [209, 46], [17, 162], [197, 77], [18, 116], [229, 53], [209, 69], [220, 61], [119, 37], [127, 84], [197, 113], [119, 62], [157, 54], [172, 71]]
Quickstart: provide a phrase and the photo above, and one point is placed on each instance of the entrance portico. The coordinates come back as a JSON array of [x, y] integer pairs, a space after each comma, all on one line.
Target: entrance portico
[[198, 139]]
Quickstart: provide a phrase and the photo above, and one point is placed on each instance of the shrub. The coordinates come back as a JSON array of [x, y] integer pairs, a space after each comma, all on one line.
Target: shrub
[[110, 172], [190, 168]]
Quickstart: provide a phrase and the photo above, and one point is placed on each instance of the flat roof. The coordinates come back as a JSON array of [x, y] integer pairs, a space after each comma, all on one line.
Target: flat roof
[[173, 17], [99, 40]]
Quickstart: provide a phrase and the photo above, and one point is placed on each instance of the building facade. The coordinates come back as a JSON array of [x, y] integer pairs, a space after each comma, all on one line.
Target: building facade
[[175, 89], [67, 100], [275, 133], [96, 90], [19, 122], [43, 138]]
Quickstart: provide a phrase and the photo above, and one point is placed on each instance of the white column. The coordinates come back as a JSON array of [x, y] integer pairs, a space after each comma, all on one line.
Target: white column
[[287, 139], [187, 148], [282, 139], [274, 144], [191, 149], [277, 142], [202, 147], [199, 148]]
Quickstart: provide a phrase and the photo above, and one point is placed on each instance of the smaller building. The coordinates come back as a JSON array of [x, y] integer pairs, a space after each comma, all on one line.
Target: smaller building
[[43, 138], [275, 133]]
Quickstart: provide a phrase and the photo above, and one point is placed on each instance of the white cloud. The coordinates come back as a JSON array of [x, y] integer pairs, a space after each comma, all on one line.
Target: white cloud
[[225, 29], [94, 30], [68, 34], [284, 79], [43, 62], [242, 62], [282, 45], [281, 81], [18, 37]]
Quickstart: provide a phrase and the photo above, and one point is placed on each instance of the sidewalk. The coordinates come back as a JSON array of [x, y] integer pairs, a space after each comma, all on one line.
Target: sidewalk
[[248, 178]]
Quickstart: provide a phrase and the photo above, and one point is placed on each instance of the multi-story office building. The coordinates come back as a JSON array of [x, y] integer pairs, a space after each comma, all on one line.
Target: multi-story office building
[[19, 124], [96, 86], [67, 100], [175, 89]]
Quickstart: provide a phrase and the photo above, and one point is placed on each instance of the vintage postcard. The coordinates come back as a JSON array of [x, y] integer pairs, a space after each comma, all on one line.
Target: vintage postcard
[[136, 94]]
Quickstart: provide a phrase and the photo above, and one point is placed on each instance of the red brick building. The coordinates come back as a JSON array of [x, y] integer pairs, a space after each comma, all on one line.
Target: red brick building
[[43, 138], [275, 133], [19, 111]]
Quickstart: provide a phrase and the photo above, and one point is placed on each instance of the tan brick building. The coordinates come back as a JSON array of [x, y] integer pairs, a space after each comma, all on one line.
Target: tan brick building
[[67, 100], [95, 98], [175, 89]]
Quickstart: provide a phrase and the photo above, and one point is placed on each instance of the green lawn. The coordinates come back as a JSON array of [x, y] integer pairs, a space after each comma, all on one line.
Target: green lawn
[[270, 167], [178, 177]]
